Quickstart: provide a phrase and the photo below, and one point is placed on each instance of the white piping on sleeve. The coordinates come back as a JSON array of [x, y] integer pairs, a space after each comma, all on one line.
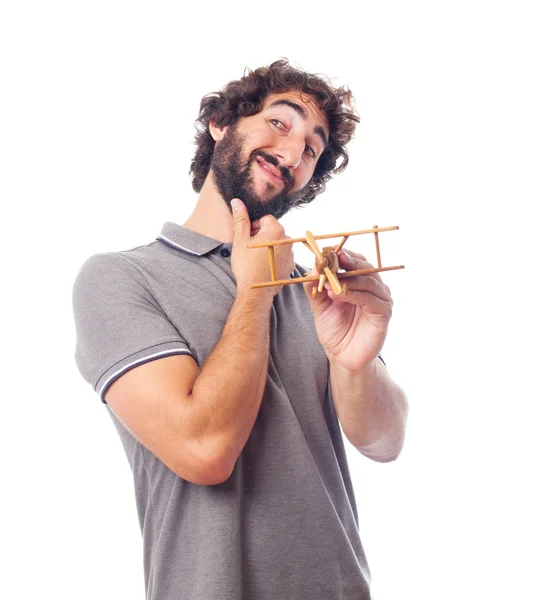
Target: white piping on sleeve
[[141, 360]]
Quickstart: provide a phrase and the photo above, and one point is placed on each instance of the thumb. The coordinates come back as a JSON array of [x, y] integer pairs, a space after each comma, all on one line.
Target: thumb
[[242, 224]]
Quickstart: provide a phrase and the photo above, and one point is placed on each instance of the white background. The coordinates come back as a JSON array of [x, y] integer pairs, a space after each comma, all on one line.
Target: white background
[[98, 102]]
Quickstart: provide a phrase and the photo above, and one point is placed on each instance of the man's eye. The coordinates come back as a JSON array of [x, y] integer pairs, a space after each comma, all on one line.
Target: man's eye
[[275, 121], [311, 151]]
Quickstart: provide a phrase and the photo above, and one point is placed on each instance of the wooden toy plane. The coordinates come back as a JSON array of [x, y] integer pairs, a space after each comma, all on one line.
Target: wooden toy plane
[[327, 263]]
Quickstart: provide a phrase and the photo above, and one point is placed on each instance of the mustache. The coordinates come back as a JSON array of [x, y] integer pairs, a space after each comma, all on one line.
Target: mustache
[[285, 173]]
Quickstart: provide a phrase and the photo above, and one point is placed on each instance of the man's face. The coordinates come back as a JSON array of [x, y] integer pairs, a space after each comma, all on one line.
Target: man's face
[[266, 160]]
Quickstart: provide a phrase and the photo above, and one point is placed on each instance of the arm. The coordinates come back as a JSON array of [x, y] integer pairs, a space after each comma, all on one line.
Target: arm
[[352, 329], [197, 422], [372, 410], [194, 421]]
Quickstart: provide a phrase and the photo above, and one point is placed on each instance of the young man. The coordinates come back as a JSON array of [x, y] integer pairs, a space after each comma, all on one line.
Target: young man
[[228, 399]]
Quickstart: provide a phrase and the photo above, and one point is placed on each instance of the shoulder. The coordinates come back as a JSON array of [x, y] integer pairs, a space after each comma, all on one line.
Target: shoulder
[[109, 279], [100, 264], [102, 270], [114, 267]]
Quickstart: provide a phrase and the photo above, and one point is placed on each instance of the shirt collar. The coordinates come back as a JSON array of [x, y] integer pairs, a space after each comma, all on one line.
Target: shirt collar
[[178, 237]]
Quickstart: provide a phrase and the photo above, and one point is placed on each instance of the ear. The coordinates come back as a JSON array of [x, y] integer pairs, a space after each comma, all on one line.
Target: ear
[[217, 133]]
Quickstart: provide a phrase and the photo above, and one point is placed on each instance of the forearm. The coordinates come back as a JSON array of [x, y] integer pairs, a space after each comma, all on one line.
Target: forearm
[[228, 391], [372, 410]]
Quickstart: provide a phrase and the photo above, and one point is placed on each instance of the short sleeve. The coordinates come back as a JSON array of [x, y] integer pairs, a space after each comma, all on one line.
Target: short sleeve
[[119, 324]]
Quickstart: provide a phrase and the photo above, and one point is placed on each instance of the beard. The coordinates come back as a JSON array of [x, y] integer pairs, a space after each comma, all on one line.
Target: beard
[[235, 180]]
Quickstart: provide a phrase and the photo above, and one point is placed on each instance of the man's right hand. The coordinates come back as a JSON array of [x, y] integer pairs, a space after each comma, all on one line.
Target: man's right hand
[[252, 265]]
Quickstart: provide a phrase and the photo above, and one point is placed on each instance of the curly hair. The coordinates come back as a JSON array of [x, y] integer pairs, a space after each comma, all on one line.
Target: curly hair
[[244, 98]]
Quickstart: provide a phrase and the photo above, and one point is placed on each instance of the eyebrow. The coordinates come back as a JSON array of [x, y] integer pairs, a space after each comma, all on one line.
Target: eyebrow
[[301, 112]]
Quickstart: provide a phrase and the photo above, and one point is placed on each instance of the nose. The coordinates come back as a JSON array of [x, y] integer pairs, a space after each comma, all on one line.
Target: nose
[[290, 153]]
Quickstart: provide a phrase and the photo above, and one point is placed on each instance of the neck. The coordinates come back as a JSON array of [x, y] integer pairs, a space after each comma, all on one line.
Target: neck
[[211, 216]]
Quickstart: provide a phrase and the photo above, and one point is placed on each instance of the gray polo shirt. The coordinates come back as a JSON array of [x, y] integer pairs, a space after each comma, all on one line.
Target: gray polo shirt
[[284, 525]]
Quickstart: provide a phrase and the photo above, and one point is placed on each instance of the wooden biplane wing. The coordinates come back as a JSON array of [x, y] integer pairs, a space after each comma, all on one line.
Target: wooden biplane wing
[[327, 263]]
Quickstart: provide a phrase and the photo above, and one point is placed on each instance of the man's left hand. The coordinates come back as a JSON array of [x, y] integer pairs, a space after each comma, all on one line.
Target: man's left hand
[[352, 328]]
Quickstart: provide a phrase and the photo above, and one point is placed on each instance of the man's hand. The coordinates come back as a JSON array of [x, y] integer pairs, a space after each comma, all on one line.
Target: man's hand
[[252, 265], [352, 328]]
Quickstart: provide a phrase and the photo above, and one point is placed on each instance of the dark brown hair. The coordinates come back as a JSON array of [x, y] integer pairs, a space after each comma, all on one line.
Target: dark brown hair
[[244, 98]]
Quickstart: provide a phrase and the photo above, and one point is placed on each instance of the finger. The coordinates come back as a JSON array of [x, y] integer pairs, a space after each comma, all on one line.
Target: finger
[[352, 253], [268, 221], [367, 301], [367, 283], [321, 301], [354, 262], [242, 224], [308, 285]]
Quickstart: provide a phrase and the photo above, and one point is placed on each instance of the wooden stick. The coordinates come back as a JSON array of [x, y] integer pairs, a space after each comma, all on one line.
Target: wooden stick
[[346, 274], [321, 237], [343, 275], [333, 280], [307, 246], [322, 281], [341, 243], [377, 247], [273, 266], [314, 246]]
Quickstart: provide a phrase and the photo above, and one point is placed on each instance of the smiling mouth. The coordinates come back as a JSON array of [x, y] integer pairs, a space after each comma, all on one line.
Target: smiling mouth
[[267, 170]]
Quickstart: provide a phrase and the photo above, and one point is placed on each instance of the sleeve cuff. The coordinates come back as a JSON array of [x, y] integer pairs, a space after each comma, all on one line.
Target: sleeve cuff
[[135, 360]]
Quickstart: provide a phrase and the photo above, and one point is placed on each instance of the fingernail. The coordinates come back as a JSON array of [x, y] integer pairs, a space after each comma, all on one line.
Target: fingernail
[[234, 204]]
